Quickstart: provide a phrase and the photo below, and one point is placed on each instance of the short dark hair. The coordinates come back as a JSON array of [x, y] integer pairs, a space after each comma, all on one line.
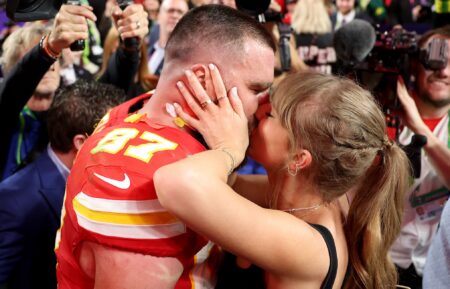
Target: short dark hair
[[77, 108], [216, 25], [444, 31]]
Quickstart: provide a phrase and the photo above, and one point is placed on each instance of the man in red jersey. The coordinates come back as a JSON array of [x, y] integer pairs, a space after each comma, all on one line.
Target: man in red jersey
[[114, 232]]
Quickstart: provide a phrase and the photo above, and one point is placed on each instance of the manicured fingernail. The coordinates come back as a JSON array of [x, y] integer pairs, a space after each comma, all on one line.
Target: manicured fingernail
[[188, 73], [179, 122], [170, 109], [234, 91], [179, 84], [211, 66], [176, 105]]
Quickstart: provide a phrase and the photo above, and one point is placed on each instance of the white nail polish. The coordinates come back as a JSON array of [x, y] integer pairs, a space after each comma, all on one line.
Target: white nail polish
[[170, 109], [234, 91]]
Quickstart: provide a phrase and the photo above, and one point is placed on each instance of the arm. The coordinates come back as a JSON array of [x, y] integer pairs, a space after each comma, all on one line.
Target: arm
[[124, 63], [437, 151], [69, 25], [201, 198], [13, 94]]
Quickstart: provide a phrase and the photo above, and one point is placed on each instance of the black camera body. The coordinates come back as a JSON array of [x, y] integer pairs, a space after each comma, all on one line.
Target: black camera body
[[390, 57], [32, 10]]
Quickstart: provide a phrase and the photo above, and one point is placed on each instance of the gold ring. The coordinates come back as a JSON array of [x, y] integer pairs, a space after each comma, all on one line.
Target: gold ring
[[206, 103]]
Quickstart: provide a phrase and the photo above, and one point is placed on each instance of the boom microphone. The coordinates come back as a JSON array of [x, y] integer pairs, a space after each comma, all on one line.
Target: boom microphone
[[353, 41]]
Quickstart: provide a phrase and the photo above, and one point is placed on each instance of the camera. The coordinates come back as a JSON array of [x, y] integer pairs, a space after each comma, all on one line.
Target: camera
[[377, 63], [391, 56]]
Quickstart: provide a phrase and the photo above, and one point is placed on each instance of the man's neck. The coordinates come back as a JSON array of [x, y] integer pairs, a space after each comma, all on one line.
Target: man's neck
[[156, 112]]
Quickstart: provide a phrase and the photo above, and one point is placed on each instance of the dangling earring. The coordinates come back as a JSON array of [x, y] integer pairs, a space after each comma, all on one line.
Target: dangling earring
[[292, 172]]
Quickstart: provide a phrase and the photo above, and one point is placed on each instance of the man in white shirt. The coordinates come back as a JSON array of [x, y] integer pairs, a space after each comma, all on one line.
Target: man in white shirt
[[345, 13]]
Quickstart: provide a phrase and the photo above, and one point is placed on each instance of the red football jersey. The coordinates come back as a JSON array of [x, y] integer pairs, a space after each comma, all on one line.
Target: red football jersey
[[110, 198]]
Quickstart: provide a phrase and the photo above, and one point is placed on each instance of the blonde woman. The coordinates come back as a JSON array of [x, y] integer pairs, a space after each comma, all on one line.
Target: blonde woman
[[313, 35], [321, 138]]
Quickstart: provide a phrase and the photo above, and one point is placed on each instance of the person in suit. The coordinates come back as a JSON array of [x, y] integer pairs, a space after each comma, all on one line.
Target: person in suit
[[170, 13], [31, 199], [345, 13]]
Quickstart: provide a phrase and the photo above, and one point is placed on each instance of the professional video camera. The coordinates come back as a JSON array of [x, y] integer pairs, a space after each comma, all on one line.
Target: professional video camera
[[259, 9], [376, 58]]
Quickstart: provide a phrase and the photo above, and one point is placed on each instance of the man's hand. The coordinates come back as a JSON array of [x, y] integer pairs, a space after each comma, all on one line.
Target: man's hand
[[69, 25], [131, 22], [411, 115]]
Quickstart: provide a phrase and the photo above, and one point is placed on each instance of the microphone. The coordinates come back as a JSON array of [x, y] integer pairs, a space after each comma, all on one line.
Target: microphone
[[354, 41]]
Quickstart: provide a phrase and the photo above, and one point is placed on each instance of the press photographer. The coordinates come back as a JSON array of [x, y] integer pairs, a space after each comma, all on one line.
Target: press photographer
[[425, 112], [381, 62]]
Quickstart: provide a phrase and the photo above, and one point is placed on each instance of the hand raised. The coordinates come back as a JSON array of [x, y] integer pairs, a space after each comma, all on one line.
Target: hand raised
[[220, 117]]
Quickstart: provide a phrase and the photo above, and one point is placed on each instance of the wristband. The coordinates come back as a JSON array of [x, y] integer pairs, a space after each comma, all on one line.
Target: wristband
[[43, 44]]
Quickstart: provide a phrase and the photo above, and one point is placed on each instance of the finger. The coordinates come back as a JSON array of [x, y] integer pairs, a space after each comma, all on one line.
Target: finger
[[65, 17], [84, 11], [116, 14], [199, 93], [72, 28], [193, 105], [191, 121], [219, 87], [133, 19], [132, 9], [236, 102]]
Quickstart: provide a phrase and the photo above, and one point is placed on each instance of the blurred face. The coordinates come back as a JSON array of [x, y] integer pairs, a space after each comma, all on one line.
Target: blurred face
[[252, 74], [197, 3], [269, 141], [151, 5], [51, 79], [345, 6], [434, 86], [170, 13]]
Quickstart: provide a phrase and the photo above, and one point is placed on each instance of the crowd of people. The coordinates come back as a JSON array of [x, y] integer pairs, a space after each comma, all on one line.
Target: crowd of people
[[175, 149]]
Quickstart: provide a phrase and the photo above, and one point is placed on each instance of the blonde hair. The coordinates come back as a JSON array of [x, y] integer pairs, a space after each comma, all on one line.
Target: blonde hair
[[311, 16], [19, 42], [343, 128]]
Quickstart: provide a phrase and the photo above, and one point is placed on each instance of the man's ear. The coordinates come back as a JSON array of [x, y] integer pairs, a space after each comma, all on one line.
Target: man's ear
[[78, 141], [204, 76]]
